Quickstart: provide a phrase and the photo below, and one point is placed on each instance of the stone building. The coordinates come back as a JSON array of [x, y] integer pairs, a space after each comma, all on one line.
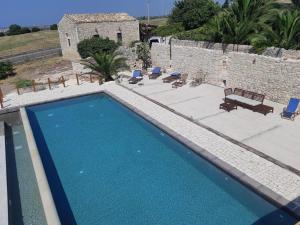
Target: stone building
[[74, 28]]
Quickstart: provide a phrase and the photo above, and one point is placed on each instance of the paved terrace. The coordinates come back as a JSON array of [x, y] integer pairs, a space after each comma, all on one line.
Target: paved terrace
[[270, 135], [202, 103]]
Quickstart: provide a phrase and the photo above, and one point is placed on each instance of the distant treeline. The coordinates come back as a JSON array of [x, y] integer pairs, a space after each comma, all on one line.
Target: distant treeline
[[16, 29]]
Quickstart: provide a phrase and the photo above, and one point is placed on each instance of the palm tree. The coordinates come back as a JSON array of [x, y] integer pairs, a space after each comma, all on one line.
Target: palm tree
[[283, 31], [105, 65], [240, 21]]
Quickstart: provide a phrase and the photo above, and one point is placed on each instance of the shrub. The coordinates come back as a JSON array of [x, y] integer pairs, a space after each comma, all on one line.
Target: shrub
[[35, 29], [168, 30], [23, 83], [95, 45], [195, 35], [6, 69], [53, 27], [143, 52], [25, 30], [2, 34]]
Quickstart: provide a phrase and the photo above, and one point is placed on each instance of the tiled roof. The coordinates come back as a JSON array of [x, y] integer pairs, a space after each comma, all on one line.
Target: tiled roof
[[100, 17]]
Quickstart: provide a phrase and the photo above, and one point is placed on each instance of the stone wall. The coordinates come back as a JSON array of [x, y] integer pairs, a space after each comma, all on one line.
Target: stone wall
[[160, 55], [67, 30], [276, 77], [129, 29]]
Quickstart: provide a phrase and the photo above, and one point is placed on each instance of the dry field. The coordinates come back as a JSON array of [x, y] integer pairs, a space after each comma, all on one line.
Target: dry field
[[17, 44], [35, 70]]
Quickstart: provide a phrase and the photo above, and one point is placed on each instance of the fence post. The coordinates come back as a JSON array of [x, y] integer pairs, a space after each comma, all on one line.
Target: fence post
[[49, 83], [18, 91], [1, 98], [33, 85], [77, 78], [91, 79], [63, 80]]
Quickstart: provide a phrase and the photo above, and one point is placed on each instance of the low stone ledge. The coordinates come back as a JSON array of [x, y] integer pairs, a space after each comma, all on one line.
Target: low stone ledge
[[3, 178]]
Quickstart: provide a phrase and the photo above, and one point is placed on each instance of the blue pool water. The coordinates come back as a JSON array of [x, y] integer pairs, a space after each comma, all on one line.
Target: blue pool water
[[108, 166]]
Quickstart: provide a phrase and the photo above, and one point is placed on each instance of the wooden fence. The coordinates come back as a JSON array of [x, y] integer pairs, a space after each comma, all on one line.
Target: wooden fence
[[51, 83]]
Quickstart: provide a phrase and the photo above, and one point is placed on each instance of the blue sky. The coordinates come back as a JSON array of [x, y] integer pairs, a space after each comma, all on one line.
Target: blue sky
[[40, 12]]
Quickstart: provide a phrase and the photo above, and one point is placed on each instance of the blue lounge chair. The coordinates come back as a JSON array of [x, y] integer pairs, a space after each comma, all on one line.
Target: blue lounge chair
[[136, 77], [291, 111], [156, 72], [173, 77]]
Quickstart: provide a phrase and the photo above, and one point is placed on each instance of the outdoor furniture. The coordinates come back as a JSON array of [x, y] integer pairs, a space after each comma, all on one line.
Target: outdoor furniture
[[291, 111], [156, 72], [228, 106], [174, 76], [264, 109], [180, 82], [243, 98], [136, 77]]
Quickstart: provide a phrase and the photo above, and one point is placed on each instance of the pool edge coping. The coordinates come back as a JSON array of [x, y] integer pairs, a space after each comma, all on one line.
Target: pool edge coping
[[49, 207], [4, 218], [263, 191]]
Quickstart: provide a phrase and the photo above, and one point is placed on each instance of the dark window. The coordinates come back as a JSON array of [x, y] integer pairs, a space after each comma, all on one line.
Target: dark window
[[119, 37], [96, 35], [69, 42], [153, 41]]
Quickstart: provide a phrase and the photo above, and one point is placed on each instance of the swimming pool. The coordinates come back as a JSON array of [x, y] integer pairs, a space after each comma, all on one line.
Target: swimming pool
[[107, 165]]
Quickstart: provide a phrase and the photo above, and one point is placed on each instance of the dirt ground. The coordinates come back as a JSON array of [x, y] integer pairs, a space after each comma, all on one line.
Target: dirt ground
[[36, 70]]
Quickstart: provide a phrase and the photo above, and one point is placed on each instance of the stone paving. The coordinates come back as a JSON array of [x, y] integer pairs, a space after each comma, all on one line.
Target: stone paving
[[281, 181], [271, 135]]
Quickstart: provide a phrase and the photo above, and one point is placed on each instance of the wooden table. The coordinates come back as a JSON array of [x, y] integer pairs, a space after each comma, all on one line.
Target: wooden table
[[228, 106]]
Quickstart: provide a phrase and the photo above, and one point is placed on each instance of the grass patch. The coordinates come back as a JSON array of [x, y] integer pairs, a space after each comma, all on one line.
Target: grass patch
[[23, 83], [17, 44]]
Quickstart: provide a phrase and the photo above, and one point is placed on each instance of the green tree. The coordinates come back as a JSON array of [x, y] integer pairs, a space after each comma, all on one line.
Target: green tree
[[226, 4], [2, 34], [105, 64], [143, 52], [14, 29], [238, 23], [283, 31], [193, 13], [96, 45], [53, 27]]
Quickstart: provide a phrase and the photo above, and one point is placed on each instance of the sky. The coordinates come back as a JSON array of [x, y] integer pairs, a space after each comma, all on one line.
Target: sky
[[45, 12]]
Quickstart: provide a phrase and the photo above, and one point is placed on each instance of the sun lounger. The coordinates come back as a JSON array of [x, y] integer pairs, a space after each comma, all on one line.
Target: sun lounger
[[291, 111], [156, 72], [136, 77], [174, 76], [196, 82], [180, 82]]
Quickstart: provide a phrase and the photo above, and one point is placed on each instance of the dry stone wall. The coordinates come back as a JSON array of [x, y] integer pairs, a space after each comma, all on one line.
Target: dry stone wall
[[276, 77], [160, 55]]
